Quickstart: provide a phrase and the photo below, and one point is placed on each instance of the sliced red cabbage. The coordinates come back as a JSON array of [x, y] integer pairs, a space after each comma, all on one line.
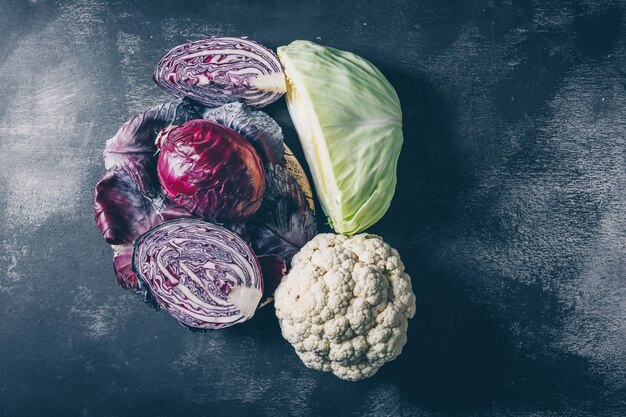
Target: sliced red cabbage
[[285, 221], [256, 126], [217, 71], [203, 274]]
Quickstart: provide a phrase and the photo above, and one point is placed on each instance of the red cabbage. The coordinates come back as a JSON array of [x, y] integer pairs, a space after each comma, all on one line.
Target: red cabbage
[[128, 200], [203, 274], [122, 265], [123, 212], [210, 170], [285, 221], [256, 126], [217, 71], [133, 148]]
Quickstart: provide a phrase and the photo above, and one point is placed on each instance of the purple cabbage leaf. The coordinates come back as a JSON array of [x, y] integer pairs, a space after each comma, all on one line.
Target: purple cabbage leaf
[[123, 212], [256, 126], [273, 269], [133, 146], [122, 265], [285, 222]]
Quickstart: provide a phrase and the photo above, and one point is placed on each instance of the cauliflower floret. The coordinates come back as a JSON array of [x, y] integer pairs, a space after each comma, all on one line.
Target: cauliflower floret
[[345, 304]]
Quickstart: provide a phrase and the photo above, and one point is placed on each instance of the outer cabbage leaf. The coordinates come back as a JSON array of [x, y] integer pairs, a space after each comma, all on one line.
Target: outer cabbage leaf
[[133, 146], [285, 221], [273, 269], [349, 122], [260, 129], [123, 212], [122, 264]]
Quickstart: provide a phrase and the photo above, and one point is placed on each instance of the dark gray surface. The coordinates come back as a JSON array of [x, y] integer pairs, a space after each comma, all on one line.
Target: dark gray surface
[[510, 212]]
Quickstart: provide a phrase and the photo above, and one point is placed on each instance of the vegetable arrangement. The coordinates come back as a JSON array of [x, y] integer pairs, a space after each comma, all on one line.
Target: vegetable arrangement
[[210, 215]]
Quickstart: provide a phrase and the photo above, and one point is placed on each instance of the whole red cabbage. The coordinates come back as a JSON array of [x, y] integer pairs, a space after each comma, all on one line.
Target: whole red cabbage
[[210, 170]]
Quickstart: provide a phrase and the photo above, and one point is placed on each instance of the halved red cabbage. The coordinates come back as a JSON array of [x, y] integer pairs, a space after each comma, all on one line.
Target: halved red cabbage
[[203, 274], [210, 170], [217, 70]]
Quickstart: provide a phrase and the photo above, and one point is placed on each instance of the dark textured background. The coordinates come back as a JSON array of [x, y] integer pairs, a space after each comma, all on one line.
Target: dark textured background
[[510, 212]]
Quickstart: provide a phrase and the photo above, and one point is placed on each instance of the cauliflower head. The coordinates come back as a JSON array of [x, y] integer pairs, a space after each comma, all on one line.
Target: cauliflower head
[[345, 304]]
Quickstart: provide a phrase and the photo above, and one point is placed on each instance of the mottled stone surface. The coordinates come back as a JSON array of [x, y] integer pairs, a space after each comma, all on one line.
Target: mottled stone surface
[[510, 212]]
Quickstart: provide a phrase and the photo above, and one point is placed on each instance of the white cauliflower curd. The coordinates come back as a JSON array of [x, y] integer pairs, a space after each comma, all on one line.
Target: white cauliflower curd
[[345, 304]]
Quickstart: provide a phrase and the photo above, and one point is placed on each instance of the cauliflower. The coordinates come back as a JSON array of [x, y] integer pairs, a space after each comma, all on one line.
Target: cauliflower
[[345, 304]]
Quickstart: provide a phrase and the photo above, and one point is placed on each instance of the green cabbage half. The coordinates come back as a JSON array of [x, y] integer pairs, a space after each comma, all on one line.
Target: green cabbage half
[[349, 121]]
